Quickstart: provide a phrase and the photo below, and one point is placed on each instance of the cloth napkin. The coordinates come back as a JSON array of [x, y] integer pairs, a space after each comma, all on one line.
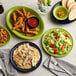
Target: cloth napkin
[[58, 71], [6, 68]]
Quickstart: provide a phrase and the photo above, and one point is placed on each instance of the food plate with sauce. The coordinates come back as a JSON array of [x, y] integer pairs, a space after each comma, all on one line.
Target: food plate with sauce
[[25, 70], [5, 36], [18, 31], [59, 21], [57, 42]]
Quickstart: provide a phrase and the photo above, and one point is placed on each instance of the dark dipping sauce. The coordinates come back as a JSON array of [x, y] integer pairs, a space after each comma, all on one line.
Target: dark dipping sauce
[[33, 22], [1, 9]]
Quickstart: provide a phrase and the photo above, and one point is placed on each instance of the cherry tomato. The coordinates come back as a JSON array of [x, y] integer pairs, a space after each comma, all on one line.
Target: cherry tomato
[[66, 35], [62, 48], [53, 31], [56, 36], [52, 45], [55, 51]]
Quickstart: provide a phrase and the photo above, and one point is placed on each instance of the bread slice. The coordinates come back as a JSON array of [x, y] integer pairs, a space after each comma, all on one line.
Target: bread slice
[[68, 2], [71, 5], [63, 2], [72, 14]]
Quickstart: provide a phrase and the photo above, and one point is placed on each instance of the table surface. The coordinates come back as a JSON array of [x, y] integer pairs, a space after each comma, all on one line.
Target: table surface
[[40, 71]]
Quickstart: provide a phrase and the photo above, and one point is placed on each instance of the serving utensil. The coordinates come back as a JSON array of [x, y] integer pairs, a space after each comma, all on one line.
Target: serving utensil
[[56, 63]]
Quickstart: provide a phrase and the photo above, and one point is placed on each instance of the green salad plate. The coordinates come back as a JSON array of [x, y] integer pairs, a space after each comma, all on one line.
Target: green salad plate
[[19, 34], [57, 42], [9, 36]]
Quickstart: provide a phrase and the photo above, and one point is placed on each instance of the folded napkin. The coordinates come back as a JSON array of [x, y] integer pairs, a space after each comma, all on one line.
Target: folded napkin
[[6, 68], [48, 63]]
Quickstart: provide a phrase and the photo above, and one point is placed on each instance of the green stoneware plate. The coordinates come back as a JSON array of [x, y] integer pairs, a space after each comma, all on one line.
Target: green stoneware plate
[[57, 55], [19, 34], [9, 36]]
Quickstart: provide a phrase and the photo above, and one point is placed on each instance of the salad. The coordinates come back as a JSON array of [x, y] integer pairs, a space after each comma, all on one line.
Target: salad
[[57, 41]]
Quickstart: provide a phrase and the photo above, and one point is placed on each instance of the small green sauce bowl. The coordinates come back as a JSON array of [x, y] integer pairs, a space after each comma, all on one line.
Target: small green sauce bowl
[[60, 13]]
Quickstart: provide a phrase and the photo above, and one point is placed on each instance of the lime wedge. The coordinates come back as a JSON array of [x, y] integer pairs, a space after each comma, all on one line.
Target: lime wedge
[[44, 2]]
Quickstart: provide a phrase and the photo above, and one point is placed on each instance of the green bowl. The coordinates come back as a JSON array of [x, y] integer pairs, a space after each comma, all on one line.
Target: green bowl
[[56, 55], [19, 34], [9, 36], [60, 8]]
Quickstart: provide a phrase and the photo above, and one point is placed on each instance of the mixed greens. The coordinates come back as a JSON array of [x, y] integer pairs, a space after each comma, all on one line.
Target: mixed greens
[[58, 42]]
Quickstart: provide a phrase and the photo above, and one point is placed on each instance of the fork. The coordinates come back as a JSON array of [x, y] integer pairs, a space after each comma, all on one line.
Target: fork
[[68, 72]]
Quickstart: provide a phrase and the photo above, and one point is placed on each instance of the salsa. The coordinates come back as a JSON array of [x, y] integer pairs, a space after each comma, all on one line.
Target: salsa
[[33, 22], [58, 41], [3, 36]]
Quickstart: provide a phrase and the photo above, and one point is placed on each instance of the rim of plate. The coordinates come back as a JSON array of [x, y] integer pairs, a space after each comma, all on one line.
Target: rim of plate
[[18, 35], [51, 53]]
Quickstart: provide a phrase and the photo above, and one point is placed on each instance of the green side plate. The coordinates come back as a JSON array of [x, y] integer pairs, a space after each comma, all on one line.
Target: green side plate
[[56, 55], [19, 34], [9, 36]]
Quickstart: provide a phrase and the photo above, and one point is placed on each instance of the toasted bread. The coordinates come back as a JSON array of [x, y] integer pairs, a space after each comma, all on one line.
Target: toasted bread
[[68, 2], [71, 5], [63, 2], [72, 14]]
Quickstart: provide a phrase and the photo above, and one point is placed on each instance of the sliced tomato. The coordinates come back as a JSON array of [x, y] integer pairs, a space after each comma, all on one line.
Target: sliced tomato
[[62, 48], [52, 45], [47, 36], [55, 51], [56, 36], [66, 35], [0, 38]]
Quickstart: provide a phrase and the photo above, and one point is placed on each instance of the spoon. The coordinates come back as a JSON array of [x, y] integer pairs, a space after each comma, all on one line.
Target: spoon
[[1, 8]]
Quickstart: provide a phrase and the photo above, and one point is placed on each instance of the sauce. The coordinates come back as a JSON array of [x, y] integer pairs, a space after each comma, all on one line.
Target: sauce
[[61, 13], [33, 22]]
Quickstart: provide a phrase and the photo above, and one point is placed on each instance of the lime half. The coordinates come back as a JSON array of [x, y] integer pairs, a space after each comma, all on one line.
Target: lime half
[[44, 2]]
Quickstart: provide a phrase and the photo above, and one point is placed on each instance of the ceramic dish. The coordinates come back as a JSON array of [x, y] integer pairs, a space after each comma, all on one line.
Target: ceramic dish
[[60, 13], [19, 34], [58, 44], [9, 36], [34, 24], [58, 21], [25, 70]]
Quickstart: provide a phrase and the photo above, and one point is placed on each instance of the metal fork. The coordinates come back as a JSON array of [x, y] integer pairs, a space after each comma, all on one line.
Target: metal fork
[[68, 72]]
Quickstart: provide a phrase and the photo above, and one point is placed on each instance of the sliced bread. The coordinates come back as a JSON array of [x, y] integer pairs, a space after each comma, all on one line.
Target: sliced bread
[[72, 14], [63, 2], [68, 2], [71, 5]]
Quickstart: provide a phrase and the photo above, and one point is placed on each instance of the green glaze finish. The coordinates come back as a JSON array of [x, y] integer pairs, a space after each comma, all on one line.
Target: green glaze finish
[[19, 34], [56, 55], [60, 7]]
